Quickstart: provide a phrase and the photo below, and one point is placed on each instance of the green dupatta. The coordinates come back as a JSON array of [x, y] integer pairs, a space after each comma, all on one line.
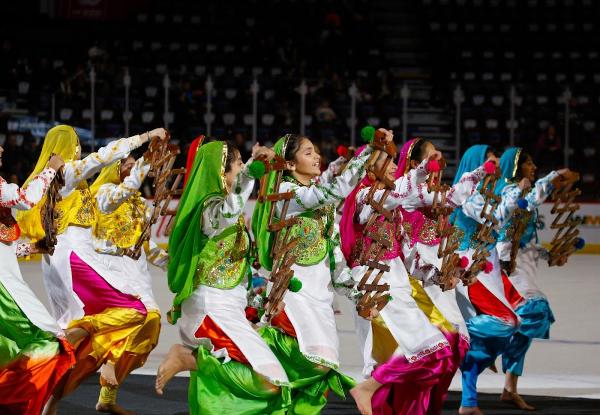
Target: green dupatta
[[187, 241]]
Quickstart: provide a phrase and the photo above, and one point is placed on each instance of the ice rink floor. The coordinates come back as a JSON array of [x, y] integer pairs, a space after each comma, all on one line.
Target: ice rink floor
[[567, 365]]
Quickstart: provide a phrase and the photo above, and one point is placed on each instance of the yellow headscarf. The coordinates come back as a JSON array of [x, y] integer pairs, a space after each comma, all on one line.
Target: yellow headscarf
[[61, 140], [109, 174]]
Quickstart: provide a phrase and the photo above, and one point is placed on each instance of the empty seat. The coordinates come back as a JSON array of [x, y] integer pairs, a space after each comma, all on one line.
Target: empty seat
[[86, 114], [147, 117], [268, 119], [228, 119], [106, 115], [66, 114]]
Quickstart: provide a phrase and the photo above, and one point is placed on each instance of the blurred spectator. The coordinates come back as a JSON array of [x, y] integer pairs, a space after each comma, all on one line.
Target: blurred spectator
[[324, 112], [549, 150]]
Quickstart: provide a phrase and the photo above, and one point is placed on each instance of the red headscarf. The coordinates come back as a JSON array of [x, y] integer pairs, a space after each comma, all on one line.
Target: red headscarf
[[191, 156]]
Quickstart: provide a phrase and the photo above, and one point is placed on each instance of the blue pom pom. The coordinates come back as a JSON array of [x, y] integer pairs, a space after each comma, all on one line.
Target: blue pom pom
[[258, 282], [580, 243], [368, 133], [521, 244], [522, 203]]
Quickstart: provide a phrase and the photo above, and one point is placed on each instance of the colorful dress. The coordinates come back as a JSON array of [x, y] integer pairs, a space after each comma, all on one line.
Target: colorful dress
[[236, 370], [34, 354], [534, 309], [490, 318], [409, 353], [121, 215], [304, 335], [420, 241], [84, 291]]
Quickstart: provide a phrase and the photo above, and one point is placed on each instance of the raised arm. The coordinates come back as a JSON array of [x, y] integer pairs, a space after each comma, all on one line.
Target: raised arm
[[473, 206], [541, 190], [12, 196], [322, 194], [111, 196]]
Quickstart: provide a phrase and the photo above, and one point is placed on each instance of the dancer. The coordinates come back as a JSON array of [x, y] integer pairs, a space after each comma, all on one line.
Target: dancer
[[232, 369], [411, 352], [420, 240], [121, 216], [534, 310], [303, 335], [84, 292], [35, 353], [490, 318]]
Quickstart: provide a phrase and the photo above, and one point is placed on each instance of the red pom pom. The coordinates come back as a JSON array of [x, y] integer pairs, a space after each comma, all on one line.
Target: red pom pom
[[433, 166], [342, 151], [488, 267], [464, 262], [251, 314], [489, 167]]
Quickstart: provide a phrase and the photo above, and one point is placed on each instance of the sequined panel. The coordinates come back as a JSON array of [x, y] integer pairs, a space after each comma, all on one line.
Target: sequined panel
[[9, 230], [223, 261]]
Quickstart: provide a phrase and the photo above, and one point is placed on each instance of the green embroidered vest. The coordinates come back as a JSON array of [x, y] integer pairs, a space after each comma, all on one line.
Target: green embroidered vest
[[223, 262], [314, 231]]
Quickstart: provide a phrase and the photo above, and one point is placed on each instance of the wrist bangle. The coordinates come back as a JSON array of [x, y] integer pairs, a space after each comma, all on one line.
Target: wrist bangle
[[148, 134]]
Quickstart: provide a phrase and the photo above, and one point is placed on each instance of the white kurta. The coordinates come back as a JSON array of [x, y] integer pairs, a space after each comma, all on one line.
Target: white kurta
[[226, 307], [421, 260], [524, 277], [132, 272], [11, 196], [310, 310], [65, 305]]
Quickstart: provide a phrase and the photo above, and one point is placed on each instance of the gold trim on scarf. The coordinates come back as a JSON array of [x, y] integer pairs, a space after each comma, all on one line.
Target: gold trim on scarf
[[408, 154], [223, 163]]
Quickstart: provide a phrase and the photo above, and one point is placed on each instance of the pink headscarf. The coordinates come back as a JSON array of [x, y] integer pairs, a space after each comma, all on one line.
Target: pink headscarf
[[404, 158], [420, 227], [349, 230]]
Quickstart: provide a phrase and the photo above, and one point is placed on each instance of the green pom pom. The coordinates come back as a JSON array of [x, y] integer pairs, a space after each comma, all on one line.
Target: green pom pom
[[257, 169], [390, 298], [295, 285], [368, 133]]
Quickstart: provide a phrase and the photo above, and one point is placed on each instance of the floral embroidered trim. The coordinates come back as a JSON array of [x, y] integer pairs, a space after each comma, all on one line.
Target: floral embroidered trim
[[427, 351]]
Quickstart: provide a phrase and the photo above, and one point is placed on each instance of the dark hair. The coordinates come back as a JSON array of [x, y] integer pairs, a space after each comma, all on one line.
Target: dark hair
[[492, 150], [232, 149], [417, 153], [523, 157], [292, 146]]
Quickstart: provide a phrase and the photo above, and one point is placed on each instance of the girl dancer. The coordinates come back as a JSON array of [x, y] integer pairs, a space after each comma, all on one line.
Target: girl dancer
[[304, 335], [491, 320], [34, 351], [232, 369], [534, 310], [412, 353], [420, 241], [84, 292], [121, 215]]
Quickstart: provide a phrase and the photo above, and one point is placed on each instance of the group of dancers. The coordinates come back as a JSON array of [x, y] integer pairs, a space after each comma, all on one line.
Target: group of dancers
[[103, 315]]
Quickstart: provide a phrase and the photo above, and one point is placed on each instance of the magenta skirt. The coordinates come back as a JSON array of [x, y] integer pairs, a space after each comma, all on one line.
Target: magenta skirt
[[96, 294], [407, 387]]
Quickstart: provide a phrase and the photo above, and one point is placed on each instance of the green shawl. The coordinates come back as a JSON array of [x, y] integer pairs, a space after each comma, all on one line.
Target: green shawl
[[186, 241], [260, 216]]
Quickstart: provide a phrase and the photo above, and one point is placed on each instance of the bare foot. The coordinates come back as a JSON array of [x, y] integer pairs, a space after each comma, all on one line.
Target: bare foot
[[469, 410], [516, 399], [178, 359], [107, 372], [75, 335], [362, 396], [112, 409]]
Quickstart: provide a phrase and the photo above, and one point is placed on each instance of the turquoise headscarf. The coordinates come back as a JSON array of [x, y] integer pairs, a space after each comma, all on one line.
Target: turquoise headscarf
[[260, 216], [474, 157], [508, 165], [186, 242]]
